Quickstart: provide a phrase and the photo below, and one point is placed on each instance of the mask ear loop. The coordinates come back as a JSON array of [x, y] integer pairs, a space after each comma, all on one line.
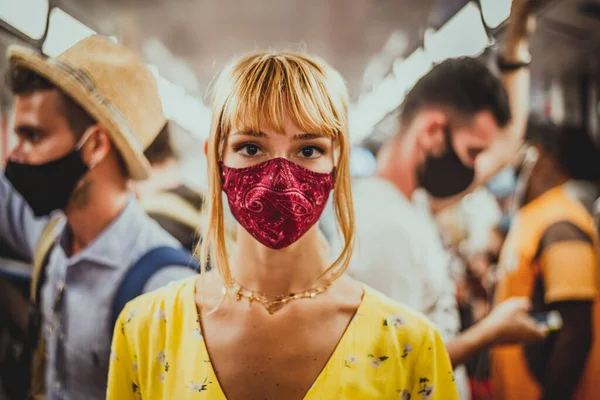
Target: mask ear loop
[[84, 139], [529, 160], [87, 134]]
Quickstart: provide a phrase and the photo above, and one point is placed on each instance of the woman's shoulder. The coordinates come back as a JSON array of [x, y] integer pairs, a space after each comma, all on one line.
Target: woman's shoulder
[[393, 314], [395, 332], [152, 307]]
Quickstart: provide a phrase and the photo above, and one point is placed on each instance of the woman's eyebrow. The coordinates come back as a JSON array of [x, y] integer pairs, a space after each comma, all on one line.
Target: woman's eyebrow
[[251, 133], [308, 136]]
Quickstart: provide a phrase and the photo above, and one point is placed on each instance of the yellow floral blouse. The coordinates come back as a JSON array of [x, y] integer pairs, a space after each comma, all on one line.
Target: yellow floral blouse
[[387, 352]]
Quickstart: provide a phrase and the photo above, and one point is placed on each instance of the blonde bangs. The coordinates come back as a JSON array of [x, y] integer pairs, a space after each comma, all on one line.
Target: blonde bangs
[[273, 87], [265, 89]]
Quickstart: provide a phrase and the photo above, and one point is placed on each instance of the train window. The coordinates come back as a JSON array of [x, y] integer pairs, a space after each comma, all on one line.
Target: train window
[[64, 31], [495, 12], [26, 16]]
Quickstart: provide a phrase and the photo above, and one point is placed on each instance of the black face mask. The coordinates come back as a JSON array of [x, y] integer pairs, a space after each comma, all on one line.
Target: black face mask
[[446, 175], [47, 187]]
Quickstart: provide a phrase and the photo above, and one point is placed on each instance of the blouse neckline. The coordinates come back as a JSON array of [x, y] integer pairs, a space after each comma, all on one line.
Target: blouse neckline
[[190, 301]]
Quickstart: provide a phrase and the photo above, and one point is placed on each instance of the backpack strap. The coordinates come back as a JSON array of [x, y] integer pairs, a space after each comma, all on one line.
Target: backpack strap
[[140, 273], [37, 348], [40, 257]]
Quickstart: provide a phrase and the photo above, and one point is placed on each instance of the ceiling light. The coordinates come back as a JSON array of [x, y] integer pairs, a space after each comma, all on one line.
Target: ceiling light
[[462, 35], [187, 111], [411, 69], [373, 107]]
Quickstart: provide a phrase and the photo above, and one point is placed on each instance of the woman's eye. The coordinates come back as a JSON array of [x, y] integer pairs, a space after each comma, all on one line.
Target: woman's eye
[[249, 150], [311, 152]]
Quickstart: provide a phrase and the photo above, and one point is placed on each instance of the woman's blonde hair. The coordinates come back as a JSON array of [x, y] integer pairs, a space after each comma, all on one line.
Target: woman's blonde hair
[[265, 89]]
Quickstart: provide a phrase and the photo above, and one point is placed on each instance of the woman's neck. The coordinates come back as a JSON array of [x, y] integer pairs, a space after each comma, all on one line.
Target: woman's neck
[[278, 272]]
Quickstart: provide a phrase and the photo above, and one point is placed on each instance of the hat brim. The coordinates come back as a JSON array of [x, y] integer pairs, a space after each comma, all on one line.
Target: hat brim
[[123, 138]]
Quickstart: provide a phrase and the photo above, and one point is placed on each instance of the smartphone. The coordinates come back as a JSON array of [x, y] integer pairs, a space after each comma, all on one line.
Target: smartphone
[[551, 319]]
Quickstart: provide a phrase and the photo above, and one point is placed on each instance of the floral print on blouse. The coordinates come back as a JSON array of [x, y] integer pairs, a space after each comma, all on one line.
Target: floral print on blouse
[[384, 339]]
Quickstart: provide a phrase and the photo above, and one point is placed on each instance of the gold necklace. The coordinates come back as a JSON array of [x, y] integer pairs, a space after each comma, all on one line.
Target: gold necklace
[[275, 304]]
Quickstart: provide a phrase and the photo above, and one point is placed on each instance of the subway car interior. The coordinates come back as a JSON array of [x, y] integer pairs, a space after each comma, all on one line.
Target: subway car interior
[[383, 49]]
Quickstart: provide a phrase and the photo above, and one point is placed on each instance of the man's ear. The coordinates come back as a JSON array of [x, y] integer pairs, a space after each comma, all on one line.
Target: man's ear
[[431, 137], [97, 145], [206, 148]]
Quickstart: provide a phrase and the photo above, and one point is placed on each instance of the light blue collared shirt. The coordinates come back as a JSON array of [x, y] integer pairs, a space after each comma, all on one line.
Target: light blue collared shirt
[[77, 327]]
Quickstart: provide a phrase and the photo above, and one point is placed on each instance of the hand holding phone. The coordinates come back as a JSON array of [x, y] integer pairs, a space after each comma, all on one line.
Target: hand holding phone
[[511, 322], [551, 319]]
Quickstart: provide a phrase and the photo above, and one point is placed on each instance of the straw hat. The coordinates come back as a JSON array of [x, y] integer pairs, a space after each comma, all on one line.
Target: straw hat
[[113, 85]]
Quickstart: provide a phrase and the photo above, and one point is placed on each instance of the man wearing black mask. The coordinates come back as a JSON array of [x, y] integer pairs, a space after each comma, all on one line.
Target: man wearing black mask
[[455, 132], [82, 121]]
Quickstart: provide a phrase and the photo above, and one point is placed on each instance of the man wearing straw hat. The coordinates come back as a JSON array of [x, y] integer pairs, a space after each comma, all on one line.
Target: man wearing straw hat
[[83, 121]]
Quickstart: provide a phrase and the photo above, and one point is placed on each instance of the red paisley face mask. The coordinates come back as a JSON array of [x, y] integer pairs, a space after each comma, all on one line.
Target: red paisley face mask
[[276, 201]]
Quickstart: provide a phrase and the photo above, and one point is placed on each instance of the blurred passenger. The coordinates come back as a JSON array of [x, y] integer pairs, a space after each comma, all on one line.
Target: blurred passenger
[[503, 186], [455, 132], [276, 319], [551, 255], [166, 197], [82, 121]]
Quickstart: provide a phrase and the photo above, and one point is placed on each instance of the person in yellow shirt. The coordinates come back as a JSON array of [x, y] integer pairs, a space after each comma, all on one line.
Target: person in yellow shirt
[[551, 256], [274, 320]]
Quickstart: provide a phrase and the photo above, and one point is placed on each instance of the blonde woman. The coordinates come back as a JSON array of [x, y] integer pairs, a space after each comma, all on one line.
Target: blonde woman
[[275, 320]]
